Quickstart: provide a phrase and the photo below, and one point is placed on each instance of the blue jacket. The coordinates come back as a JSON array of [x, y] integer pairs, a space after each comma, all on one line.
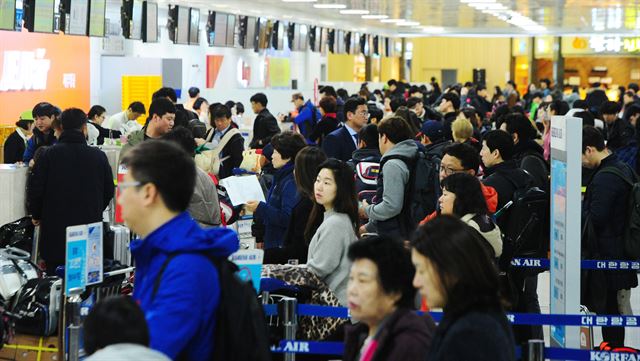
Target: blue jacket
[[305, 119], [182, 315], [276, 213], [37, 140]]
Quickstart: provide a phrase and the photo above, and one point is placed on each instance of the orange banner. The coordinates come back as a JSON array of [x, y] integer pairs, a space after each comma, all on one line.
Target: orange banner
[[42, 67]]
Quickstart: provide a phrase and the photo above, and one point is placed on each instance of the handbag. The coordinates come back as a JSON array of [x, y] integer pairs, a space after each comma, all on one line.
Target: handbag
[[209, 160], [251, 160]]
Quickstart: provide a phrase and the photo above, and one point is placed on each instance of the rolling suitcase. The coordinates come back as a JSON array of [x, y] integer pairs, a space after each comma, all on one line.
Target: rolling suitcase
[[121, 241]]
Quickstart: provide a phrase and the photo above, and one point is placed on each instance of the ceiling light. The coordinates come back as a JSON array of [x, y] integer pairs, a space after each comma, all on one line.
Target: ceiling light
[[354, 12], [299, 1], [392, 20], [408, 23], [329, 6], [375, 17], [433, 29]]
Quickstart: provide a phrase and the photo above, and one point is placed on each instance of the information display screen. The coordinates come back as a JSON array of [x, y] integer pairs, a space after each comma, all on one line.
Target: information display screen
[[96, 17], [43, 16], [136, 20], [182, 36], [231, 30], [220, 30], [150, 22], [78, 15], [194, 26], [250, 40], [7, 14]]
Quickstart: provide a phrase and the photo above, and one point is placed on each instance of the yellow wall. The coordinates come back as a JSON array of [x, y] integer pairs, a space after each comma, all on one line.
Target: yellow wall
[[340, 67], [431, 55], [389, 68]]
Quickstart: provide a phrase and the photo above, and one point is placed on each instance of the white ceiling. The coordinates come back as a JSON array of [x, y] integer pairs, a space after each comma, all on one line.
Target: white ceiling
[[449, 17]]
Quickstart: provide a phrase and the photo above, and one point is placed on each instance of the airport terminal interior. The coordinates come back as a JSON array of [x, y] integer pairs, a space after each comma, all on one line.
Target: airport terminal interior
[[319, 180]]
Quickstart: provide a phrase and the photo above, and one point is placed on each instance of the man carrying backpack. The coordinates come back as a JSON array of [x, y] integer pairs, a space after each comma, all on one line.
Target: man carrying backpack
[[604, 214], [179, 298], [388, 215]]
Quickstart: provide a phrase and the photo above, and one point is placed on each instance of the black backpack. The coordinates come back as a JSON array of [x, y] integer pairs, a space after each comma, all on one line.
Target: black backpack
[[524, 223], [241, 330], [632, 222], [423, 188]]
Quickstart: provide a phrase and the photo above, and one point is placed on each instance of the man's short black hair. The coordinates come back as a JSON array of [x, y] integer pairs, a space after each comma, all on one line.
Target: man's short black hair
[[396, 103], [369, 135], [184, 138], [500, 140], [351, 105], [454, 99], [393, 260], [198, 103], [73, 119], [288, 144], [168, 167], [610, 108], [587, 118], [375, 113], [634, 86], [560, 107], [220, 111], [45, 109], [481, 87], [465, 153], [329, 90], [137, 107], [343, 93], [580, 104], [115, 320], [193, 92], [391, 82], [259, 98], [592, 137], [396, 129], [166, 92], [413, 101], [537, 95], [519, 124], [546, 81], [161, 106]]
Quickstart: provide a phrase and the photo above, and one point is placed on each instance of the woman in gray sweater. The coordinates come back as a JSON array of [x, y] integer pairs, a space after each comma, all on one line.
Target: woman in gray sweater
[[336, 209]]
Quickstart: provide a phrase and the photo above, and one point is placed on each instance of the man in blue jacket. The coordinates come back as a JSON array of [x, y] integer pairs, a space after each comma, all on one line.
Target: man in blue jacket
[[308, 115], [181, 311]]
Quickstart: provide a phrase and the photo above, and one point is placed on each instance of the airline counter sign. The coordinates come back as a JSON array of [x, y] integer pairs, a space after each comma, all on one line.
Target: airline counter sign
[[25, 70]]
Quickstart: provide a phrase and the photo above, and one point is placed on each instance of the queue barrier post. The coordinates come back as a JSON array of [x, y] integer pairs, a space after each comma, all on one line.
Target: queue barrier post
[[288, 310], [535, 350], [75, 324]]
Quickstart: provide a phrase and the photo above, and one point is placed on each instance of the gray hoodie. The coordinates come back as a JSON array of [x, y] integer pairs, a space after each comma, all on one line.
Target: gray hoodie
[[395, 178], [127, 352]]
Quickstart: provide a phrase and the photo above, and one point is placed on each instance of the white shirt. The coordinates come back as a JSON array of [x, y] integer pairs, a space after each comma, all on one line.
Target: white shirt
[[353, 133], [116, 121], [20, 132]]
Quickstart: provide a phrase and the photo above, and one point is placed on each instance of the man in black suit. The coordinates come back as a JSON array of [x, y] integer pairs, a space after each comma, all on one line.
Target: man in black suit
[[265, 126], [232, 151], [341, 143]]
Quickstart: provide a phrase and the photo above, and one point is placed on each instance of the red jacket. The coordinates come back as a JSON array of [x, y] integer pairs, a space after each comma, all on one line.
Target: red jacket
[[490, 195]]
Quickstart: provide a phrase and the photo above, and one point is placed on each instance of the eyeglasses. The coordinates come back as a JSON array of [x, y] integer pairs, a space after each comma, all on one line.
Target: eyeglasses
[[449, 171], [364, 114], [124, 185]]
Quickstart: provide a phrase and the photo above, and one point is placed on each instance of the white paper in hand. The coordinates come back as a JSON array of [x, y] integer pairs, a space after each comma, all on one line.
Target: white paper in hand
[[242, 189]]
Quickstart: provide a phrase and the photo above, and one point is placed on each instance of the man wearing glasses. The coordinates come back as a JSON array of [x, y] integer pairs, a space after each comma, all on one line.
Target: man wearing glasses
[[341, 143], [463, 158], [176, 285]]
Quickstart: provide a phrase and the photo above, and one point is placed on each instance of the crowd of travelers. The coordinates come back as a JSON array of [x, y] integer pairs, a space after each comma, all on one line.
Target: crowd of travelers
[[402, 198]]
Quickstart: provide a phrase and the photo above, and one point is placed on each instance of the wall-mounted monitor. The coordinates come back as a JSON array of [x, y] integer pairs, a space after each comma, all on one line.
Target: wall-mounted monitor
[[340, 44], [7, 14], [220, 30], [38, 15], [182, 33], [347, 42], [290, 36], [231, 30], [376, 45], [331, 41], [97, 9], [78, 17], [266, 28], [136, 20], [312, 38], [194, 26], [248, 33], [149, 22]]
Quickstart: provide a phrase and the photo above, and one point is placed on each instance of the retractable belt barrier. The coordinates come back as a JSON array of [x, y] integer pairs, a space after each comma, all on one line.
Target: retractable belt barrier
[[611, 265]]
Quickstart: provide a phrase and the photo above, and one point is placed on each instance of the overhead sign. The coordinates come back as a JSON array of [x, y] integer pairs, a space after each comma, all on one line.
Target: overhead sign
[[601, 44]]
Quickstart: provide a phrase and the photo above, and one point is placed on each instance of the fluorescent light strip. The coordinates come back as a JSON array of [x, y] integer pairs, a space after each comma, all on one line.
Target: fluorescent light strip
[[299, 1], [375, 17], [329, 6], [408, 23], [354, 12], [392, 20]]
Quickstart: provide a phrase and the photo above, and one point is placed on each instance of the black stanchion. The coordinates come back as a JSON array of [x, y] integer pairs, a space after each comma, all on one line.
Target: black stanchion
[[535, 350], [289, 315]]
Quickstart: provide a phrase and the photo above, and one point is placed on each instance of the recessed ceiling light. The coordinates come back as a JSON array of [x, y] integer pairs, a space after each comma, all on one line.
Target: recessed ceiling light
[[433, 29], [375, 17], [354, 12], [329, 6], [391, 20]]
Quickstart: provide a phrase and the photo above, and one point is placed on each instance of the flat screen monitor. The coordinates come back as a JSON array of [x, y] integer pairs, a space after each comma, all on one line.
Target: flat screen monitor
[[194, 26], [231, 30], [43, 16], [266, 27], [250, 36], [97, 10], [302, 37], [7, 14], [78, 17], [136, 20], [220, 30], [150, 22], [340, 44], [182, 36], [324, 40]]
